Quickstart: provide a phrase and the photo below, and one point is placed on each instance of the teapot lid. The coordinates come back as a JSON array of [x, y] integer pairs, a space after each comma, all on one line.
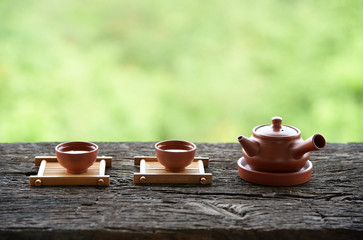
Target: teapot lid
[[276, 129]]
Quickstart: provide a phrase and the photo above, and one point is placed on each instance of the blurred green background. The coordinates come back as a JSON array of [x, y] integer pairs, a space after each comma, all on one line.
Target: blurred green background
[[204, 71]]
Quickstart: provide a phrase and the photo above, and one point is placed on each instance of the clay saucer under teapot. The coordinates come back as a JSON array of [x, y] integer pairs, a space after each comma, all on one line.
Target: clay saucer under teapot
[[277, 150]]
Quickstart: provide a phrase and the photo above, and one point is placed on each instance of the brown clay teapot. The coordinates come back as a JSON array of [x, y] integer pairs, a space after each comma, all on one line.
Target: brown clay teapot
[[278, 148]]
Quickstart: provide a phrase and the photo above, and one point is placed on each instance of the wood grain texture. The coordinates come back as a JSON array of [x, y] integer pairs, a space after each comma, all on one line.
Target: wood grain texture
[[329, 206]]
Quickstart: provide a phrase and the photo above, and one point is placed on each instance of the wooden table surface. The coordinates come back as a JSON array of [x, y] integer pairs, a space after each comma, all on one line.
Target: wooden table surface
[[329, 206]]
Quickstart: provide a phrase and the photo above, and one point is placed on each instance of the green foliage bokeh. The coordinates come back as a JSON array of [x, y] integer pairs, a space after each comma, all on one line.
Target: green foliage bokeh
[[204, 71]]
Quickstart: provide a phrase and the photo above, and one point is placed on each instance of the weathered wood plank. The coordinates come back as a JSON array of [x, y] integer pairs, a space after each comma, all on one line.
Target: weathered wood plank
[[329, 206]]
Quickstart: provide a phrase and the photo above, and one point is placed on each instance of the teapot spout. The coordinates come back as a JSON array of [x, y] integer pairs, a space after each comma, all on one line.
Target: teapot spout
[[250, 146], [314, 143]]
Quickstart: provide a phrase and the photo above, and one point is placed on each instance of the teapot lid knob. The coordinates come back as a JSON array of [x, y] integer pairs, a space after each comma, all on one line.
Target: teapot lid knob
[[276, 123]]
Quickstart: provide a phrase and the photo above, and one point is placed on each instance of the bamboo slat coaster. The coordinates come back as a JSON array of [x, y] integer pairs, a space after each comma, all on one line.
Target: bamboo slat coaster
[[52, 173], [151, 171]]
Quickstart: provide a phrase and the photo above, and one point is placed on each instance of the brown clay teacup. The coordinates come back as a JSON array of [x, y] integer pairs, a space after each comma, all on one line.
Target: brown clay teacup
[[76, 157], [175, 155]]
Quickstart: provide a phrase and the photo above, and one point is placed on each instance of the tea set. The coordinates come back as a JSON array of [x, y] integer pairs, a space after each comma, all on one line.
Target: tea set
[[274, 155]]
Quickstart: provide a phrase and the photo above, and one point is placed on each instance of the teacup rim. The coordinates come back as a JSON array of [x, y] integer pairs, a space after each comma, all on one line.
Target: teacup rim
[[194, 147], [71, 142]]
